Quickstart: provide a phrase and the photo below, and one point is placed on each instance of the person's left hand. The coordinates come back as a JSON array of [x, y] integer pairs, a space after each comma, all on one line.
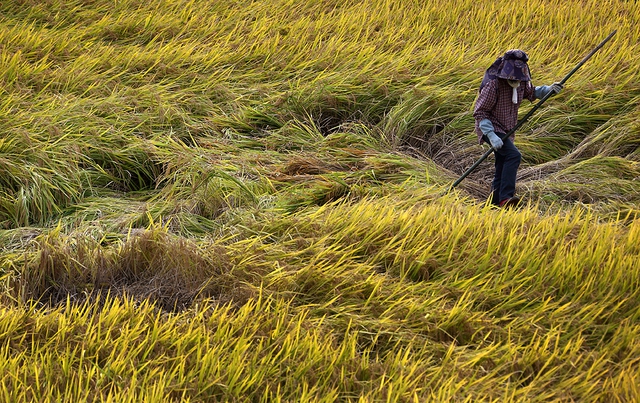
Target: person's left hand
[[555, 88]]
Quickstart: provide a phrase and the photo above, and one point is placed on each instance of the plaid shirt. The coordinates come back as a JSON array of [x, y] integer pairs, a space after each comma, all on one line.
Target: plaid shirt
[[494, 103]]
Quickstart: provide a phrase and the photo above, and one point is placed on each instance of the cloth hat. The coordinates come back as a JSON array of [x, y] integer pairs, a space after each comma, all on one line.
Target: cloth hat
[[514, 66], [511, 66]]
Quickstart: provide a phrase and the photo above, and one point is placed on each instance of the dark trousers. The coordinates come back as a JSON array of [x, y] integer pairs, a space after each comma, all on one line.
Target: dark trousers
[[507, 161]]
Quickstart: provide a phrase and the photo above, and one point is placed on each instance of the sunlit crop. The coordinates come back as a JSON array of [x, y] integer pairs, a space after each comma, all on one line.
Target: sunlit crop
[[247, 201]]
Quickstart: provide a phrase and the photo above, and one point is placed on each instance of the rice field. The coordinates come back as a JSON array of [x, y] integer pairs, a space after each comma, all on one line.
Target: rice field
[[247, 202]]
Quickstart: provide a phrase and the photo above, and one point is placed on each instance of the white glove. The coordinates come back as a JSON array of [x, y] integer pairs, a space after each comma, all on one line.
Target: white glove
[[496, 142], [542, 90], [486, 127], [555, 88]]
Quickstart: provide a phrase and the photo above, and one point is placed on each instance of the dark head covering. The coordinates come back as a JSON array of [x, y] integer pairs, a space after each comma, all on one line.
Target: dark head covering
[[511, 66]]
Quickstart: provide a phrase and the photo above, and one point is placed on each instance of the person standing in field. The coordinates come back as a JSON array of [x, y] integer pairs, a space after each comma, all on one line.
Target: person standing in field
[[504, 86]]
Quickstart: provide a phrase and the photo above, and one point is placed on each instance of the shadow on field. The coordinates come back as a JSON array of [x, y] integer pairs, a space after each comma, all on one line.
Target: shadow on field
[[454, 158]]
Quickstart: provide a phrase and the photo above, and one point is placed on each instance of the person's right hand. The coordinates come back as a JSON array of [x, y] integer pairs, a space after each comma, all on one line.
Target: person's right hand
[[496, 142]]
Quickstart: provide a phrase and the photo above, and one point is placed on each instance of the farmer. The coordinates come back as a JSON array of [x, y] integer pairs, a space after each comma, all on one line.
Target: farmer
[[505, 84]]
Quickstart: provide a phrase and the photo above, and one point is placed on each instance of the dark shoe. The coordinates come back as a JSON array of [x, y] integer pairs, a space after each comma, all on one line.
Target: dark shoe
[[510, 202]]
